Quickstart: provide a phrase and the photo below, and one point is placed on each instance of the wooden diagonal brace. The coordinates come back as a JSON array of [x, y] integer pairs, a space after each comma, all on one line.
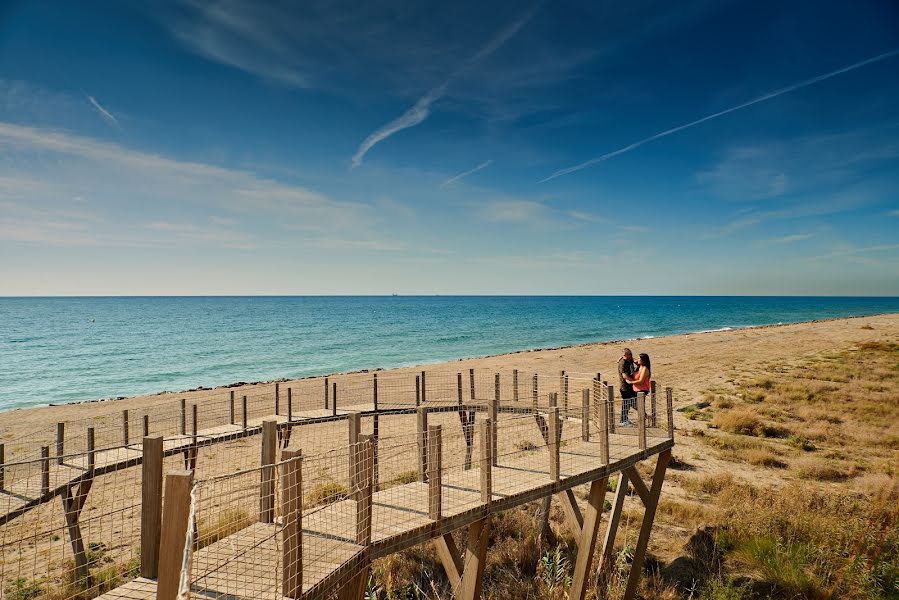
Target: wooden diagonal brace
[[573, 517], [450, 558], [639, 486], [72, 504]]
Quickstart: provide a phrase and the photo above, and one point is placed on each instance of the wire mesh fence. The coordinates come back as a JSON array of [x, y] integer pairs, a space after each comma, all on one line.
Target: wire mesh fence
[[297, 486]]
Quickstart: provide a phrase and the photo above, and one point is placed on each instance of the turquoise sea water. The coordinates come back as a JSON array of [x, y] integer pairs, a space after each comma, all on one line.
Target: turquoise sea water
[[55, 350]]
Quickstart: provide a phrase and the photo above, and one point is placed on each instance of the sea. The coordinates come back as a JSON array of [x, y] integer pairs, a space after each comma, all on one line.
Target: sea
[[59, 350]]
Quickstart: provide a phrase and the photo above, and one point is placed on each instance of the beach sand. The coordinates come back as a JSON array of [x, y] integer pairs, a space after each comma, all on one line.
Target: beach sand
[[690, 364]]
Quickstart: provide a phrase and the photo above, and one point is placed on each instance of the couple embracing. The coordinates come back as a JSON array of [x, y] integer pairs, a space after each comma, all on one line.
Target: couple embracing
[[633, 378]]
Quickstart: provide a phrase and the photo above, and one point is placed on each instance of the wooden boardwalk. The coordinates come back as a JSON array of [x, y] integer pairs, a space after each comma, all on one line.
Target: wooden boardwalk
[[400, 520]]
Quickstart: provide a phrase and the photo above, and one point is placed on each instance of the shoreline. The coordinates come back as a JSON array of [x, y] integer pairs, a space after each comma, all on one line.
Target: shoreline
[[511, 353]]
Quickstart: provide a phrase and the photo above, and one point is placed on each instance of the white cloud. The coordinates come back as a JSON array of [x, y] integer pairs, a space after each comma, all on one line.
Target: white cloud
[[786, 239], [513, 211], [580, 215]]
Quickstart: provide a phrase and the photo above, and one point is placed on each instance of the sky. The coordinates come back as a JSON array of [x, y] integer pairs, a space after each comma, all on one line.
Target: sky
[[335, 147]]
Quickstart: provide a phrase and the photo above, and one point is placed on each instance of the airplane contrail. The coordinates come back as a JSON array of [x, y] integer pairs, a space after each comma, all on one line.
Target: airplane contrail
[[768, 96]]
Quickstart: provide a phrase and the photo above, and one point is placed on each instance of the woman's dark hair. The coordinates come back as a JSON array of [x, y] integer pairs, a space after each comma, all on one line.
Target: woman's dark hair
[[644, 360]]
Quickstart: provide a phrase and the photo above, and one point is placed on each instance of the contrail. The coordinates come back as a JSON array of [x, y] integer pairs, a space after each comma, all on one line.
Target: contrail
[[103, 112], [456, 178], [768, 96], [422, 108]]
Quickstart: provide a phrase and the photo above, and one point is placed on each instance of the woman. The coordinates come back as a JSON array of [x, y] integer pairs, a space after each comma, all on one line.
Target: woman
[[641, 378]]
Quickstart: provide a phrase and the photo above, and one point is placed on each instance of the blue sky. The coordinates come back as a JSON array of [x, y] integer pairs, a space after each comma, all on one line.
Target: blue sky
[[340, 147]]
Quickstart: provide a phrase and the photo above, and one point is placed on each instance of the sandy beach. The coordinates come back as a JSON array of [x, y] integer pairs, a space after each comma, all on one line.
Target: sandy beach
[[690, 363]]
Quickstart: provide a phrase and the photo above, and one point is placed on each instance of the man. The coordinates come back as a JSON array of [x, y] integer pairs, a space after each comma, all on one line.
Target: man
[[628, 395]]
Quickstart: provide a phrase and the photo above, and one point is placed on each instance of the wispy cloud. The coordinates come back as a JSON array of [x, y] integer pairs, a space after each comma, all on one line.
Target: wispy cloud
[[108, 116], [786, 239], [422, 108], [465, 174], [851, 251], [580, 215], [769, 96], [894, 213], [513, 211]]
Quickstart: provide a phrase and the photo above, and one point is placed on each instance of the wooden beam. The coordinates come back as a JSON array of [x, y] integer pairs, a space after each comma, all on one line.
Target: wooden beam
[[354, 589], [638, 484], [515, 385], [658, 478], [151, 505], [72, 505], [652, 403], [243, 402], [267, 474], [125, 429], [475, 559], [91, 450], [365, 483], [450, 559], [555, 436], [45, 470], [535, 392], [422, 439], [424, 389], [572, 511], [669, 401], [326, 394], [471, 383], [641, 420], [292, 519], [334, 398], [610, 406], [183, 416], [354, 429], [231, 405], [435, 472], [585, 414], [418, 390], [602, 412], [174, 532], [608, 544], [587, 539], [277, 399], [60, 442], [493, 415], [486, 461], [146, 426]]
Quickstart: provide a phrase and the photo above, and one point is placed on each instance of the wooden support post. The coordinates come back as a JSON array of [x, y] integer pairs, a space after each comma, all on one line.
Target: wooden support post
[[424, 389], [669, 401], [466, 418], [175, 522], [486, 461], [231, 405], [364, 491], [326, 394], [555, 436], [292, 520], [194, 427], [45, 470], [587, 539], [603, 414], [422, 438], [450, 559], [375, 432], [91, 450], [535, 391], [658, 478], [151, 506], [354, 428], [269, 458], [146, 425], [289, 405], [652, 403], [493, 415], [334, 398], [277, 399], [585, 415], [610, 407], [183, 416], [641, 420], [608, 544], [563, 384], [125, 429], [2, 465], [417, 390], [435, 475], [60, 442], [475, 559], [471, 383], [243, 402], [515, 385], [72, 504]]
